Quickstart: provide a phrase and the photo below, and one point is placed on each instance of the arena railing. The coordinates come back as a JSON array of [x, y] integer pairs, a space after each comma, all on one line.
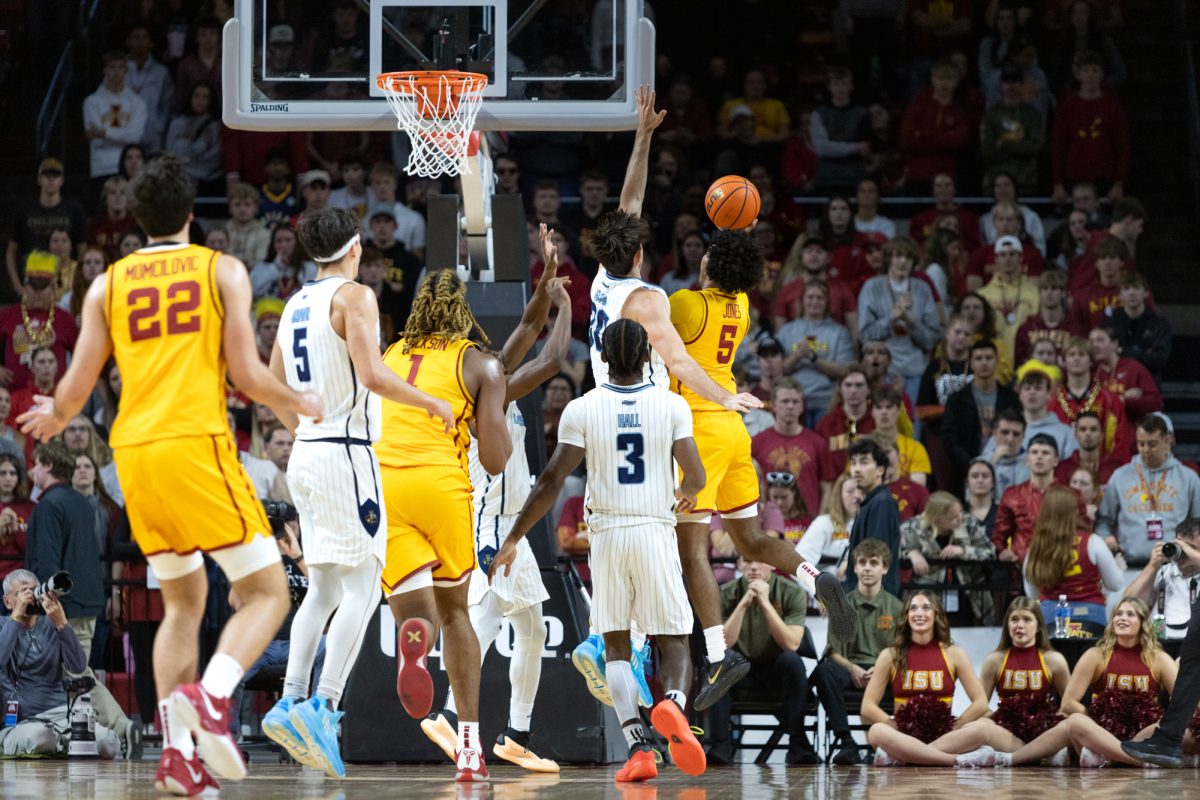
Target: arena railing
[[51, 112]]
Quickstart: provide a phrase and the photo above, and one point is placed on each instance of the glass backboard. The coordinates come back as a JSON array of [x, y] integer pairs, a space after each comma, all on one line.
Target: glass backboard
[[551, 65]]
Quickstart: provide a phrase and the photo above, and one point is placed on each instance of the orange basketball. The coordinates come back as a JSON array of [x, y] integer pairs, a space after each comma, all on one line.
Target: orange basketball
[[732, 203]]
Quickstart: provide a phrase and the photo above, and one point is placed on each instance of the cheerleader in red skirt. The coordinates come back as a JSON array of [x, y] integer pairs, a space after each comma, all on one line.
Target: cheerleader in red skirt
[[1125, 672], [1028, 676], [922, 666]]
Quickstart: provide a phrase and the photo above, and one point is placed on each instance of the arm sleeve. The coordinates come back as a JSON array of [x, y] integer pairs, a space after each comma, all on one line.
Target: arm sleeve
[[8, 639], [979, 546], [843, 349], [928, 330], [874, 322], [909, 540], [823, 145], [571, 425], [1006, 524], [1110, 507], [796, 608], [73, 656], [1112, 577], [812, 544], [1155, 354]]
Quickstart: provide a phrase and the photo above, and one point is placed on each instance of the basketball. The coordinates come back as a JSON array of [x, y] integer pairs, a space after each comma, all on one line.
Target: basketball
[[732, 203]]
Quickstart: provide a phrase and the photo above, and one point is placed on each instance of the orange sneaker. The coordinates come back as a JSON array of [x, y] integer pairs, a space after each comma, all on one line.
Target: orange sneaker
[[639, 767], [673, 726]]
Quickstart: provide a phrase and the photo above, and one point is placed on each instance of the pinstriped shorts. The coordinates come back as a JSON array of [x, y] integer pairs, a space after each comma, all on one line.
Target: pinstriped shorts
[[636, 574]]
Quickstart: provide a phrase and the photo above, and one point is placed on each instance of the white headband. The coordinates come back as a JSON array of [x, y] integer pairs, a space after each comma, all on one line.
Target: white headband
[[340, 254]]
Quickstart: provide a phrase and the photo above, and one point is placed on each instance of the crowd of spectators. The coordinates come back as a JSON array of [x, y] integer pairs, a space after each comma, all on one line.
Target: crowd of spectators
[[957, 362]]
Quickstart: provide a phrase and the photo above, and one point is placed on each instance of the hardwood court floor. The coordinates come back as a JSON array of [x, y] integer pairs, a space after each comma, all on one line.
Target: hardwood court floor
[[104, 780]]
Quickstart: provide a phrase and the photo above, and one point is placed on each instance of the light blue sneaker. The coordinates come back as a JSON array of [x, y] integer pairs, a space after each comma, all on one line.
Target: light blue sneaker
[[280, 730], [638, 664], [318, 727], [588, 658]]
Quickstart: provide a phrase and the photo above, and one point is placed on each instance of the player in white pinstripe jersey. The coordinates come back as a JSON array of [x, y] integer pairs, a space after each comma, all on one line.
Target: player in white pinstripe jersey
[[619, 293], [328, 342], [497, 499], [631, 433]]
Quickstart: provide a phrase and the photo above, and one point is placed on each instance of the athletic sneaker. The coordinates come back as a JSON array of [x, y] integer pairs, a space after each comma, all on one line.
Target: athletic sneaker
[[637, 663], [131, 742], [413, 682], [471, 768], [1089, 759], [207, 718], [721, 678], [317, 725], [442, 730], [588, 658], [980, 757], [513, 746], [841, 614], [882, 759], [279, 729], [640, 766], [1060, 759], [673, 726], [179, 776]]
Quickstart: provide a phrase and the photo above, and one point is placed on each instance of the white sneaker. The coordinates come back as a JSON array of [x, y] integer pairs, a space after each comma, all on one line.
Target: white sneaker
[[1002, 760], [1090, 760], [980, 757], [882, 759], [1060, 759]]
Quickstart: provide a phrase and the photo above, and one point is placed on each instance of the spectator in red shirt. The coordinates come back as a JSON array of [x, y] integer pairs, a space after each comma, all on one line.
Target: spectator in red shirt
[[1093, 305], [936, 130], [940, 27], [15, 510], [688, 121], [1128, 223], [1124, 377], [910, 496], [836, 226], [1080, 392], [1007, 221], [1020, 504], [35, 321], [1090, 141], [44, 377], [1089, 435], [921, 226], [808, 260], [579, 288], [1051, 323], [789, 447], [108, 229], [244, 153]]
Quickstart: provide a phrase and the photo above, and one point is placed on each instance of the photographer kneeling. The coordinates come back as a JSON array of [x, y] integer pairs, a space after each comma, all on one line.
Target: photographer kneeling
[[35, 648], [1167, 585]]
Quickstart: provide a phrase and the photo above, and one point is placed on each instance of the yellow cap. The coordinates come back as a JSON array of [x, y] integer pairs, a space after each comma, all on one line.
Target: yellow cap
[[1033, 365], [39, 262], [268, 307]]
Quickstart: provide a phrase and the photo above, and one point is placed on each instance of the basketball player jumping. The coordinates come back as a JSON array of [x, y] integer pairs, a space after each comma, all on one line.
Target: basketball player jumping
[[630, 430], [328, 342], [427, 494], [618, 293], [713, 322], [497, 499], [176, 317]]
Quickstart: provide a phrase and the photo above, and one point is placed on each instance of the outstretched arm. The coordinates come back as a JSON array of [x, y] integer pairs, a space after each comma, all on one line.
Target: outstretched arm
[[534, 319], [634, 188], [495, 445], [564, 461], [546, 365], [652, 312]]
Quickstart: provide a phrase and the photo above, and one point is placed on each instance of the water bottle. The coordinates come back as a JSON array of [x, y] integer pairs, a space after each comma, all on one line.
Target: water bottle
[[1062, 618], [83, 728]]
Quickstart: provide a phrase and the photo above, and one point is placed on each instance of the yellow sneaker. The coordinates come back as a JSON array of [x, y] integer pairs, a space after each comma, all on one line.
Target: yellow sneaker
[[442, 733], [514, 753]]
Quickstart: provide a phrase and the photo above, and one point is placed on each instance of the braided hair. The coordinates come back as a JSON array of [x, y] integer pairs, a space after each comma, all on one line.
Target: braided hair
[[625, 344], [440, 311]]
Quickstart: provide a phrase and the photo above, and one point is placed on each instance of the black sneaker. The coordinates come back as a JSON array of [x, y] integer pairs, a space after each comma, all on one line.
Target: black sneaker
[[837, 605], [803, 758], [848, 753], [720, 755], [721, 678], [1150, 752], [131, 742]]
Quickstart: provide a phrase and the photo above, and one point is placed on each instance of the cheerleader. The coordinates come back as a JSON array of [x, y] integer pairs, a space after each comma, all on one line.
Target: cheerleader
[[922, 666], [1028, 676], [1125, 671]]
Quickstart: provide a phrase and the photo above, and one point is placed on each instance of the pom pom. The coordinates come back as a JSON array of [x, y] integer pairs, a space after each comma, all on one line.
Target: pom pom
[[1125, 713], [924, 717], [1027, 715]]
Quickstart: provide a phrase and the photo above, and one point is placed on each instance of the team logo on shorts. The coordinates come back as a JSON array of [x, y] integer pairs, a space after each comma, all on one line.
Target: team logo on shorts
[[368, 512], [486, 556]]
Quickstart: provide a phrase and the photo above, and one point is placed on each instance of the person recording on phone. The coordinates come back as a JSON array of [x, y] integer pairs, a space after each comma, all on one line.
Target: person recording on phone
[[1168, 586], [1164, 748], [36, 646]]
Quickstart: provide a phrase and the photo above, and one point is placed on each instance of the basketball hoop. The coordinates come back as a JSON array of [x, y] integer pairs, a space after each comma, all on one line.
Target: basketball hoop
[[437, 109]]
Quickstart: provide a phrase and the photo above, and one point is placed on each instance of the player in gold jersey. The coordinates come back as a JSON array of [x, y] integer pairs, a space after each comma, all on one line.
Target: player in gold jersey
[[427, 492], [177, 318], [712, 323]]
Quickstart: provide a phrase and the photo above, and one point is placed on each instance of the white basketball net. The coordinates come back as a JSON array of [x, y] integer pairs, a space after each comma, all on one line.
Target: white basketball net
[[438, 114]]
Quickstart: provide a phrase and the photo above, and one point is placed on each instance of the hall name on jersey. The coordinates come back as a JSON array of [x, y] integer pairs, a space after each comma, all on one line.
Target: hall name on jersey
[[628, 421], [160, 267]]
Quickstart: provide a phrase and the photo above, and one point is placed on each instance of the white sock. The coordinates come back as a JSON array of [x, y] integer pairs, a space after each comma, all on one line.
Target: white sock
[[637, 638], [525, 664], [807, 574], [679, 697], [449, 704], [468, 736], [174, 734], [623, 688], [222, 676], [714, 643]]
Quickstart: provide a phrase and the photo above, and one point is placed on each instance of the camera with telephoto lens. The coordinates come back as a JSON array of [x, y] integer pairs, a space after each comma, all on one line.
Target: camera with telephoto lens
[[278, 512], [59, 583], [1172, 552]]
